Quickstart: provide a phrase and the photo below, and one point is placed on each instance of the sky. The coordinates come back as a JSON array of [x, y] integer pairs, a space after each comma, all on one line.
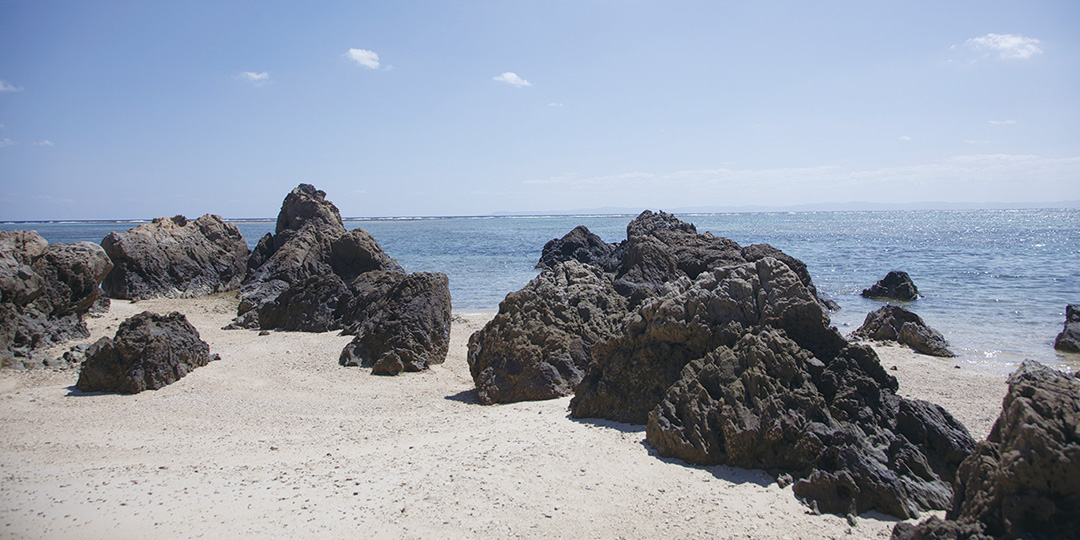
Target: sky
[[129, 110]]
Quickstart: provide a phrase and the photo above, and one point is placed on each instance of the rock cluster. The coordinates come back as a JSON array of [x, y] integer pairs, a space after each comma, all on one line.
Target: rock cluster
[[1023, 481], [537, 346], [175, 258], [1069, 338], [583, 246], [313, 275], [45, 290], [896, 285], [148, 352], [894, 323]]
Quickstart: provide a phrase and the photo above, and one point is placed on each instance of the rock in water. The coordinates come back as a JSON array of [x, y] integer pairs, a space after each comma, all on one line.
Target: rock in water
[[148, 352], [894, 323], [1069, 338], [45, 290], [1023, 481], [537, 346], [407, 329], [176, 258], [896, 285]]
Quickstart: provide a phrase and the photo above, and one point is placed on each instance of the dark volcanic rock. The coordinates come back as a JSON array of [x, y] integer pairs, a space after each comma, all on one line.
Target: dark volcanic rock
[[175, 258], [894, 323], [407, 329], [583, 246], [309, 305], [837, 426], [45, 290], [896, 285], [537, 347], [629, 374], [1023, 481], [1069, 338], [148, 352]]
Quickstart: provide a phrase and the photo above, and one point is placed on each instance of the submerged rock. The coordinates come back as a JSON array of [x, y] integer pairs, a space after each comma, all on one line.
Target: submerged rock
[[894, 323], [537, 346], [148, 352], [1069, 338], [175, 258], [896, 285], [1023, 481]]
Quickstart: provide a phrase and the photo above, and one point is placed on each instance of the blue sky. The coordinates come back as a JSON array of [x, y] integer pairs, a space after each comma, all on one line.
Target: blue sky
[[143, 109]]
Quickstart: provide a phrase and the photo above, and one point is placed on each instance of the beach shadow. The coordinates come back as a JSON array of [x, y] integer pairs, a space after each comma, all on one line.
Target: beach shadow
[[468, 397], [621, 427], [75, 392]]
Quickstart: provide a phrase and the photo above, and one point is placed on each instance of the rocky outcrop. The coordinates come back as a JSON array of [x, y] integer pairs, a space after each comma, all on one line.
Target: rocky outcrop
[[537, 346], [836, 426], [630, 373], [583, 246], [309, 240], [894, 323], [175, 258], [148, 352], [45, 290], [896, 285], [406, 329], [1069, 338], [1023, 481]]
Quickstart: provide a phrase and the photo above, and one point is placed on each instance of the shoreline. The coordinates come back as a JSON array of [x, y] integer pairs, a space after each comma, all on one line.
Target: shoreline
[[276, 436]]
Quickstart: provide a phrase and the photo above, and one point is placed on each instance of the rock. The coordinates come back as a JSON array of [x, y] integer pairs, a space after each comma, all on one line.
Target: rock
[[583, 246], [1023, 481], [894, 323], [148, 352], [407, 329], [537, 346], [836, 425], [896, 285], [45, 291], [630, 373], [1069, 338], [309, 240], [309, 305], [176, 258]]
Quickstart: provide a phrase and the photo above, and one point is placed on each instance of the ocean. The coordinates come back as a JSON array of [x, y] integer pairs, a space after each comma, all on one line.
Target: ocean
[[994, 282]]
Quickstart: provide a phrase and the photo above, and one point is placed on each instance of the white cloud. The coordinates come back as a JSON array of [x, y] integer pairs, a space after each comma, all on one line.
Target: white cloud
[[8, 87], [512, 78], [1002, 122], [6, 142], [905, 138], [258, 79], [555, 104], [1007, 46], [45, 142], [364, 57]]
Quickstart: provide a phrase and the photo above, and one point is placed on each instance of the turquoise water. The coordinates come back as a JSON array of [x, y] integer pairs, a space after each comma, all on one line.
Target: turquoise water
[[995, 282]]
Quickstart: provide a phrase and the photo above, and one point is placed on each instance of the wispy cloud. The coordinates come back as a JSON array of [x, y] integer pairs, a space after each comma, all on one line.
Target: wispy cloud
[[257, 78], [8, 87], [1007, 46], [512, 79], [44, 142], [1002, 122], [555, 104], [6, 142], [364, 57], [905, 138]]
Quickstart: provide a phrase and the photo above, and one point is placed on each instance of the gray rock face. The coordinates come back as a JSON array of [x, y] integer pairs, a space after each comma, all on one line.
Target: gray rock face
[[896, 285], [148, 352], [583, 246], [406, 329], [630, 373], [1069, 338], [1023, 481], [45, 290], [894, 323], [537, 346], [175, 258], [837, 425]]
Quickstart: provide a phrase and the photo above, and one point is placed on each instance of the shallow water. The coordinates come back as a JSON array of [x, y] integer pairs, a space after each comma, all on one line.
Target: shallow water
[[995, 282]]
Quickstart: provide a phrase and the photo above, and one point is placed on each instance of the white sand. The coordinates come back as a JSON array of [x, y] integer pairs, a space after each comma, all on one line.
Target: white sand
[[278, 440]]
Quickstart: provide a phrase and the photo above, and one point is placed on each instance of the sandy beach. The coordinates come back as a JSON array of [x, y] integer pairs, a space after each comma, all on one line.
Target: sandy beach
[[277, 439]]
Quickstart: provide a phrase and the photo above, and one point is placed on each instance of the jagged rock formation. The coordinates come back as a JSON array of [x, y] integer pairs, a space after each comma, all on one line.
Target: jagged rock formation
[[1023, 481], [175, 258], [1069, 338], [896, 285], [45, 290], [583, 246], [894, 323], [148, 352], [406, 329], [537, 346]]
